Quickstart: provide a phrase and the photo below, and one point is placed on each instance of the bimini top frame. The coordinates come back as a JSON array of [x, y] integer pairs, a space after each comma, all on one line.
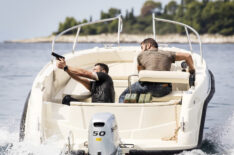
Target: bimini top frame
[[186, 27], [78, 27]]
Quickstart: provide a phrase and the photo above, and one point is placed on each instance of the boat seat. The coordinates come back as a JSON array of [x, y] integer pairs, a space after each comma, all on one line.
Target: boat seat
[[121, 70], [173, 77], [76, 90], [164, 76]]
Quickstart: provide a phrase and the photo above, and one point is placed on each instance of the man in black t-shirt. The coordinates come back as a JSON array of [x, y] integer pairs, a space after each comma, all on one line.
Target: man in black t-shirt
[[102, 89]]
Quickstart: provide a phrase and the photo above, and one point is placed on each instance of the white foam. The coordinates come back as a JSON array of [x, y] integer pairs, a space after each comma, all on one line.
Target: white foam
[[227, 134], [193, 152], [13, 147]]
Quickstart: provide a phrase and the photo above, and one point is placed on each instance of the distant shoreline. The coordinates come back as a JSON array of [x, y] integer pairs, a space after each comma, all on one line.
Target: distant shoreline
[[129, 38]]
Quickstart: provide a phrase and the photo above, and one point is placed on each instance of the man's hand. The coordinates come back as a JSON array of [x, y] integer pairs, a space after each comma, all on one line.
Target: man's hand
[[188, 58], [191, 71], [61, 63]]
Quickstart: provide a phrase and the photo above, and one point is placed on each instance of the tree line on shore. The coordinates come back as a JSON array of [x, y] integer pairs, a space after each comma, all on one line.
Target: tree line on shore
[[206, 16]]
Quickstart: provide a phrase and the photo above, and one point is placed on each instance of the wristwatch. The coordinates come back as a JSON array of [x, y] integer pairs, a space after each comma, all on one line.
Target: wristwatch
[[65, 68]]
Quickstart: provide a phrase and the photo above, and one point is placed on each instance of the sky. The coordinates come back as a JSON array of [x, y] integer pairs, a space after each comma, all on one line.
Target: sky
[[24, 19]]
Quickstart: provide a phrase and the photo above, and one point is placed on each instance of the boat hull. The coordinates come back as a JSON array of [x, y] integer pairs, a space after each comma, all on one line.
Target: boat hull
[[143, 125]]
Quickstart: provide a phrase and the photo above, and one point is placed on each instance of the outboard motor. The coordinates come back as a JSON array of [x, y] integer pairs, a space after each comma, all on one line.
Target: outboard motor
[[103, 135]]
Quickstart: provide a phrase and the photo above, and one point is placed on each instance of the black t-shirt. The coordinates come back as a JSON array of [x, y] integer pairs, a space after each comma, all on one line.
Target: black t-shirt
[[103, 89]]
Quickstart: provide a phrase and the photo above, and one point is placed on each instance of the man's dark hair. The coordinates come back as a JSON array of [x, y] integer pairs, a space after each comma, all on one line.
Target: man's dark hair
[[103, 66], [150, 41]]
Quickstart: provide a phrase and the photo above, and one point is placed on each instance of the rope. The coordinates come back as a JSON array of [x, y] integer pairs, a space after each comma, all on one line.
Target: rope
[[175, 137]]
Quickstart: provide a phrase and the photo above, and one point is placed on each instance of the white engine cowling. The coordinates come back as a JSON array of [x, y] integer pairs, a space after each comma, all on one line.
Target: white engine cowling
[[103, 135]]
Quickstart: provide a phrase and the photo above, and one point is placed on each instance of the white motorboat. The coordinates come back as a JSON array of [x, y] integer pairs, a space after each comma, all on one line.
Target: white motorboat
[[172, 123]]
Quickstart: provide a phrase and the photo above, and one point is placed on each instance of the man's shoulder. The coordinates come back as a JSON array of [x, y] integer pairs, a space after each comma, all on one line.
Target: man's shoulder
[[165, 51], [103, 76], [144, 53], [169, 53]]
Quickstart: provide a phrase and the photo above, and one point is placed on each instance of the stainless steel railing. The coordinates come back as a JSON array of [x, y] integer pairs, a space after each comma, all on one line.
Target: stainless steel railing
[[78, 27], [186, 27]]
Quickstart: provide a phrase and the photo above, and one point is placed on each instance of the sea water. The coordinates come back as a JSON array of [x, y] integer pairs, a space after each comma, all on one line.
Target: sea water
[[20, 63]]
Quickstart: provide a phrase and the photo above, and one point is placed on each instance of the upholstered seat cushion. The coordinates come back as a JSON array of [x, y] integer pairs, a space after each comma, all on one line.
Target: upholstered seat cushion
[[164, 76]]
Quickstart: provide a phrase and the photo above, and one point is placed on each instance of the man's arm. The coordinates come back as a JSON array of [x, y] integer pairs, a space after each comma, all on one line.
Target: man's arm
[[188, 58], [73, 73], [77, 73]]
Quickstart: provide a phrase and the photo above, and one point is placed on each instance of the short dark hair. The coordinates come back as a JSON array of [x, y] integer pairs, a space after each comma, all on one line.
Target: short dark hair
[[103, 66], [150, 41]]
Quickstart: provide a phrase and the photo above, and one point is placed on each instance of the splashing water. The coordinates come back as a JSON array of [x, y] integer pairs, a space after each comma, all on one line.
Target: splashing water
[[217, 141], [10, 145], [226, 140]]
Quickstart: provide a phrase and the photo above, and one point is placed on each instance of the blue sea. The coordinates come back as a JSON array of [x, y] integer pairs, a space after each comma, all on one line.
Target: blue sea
[[20, 63]]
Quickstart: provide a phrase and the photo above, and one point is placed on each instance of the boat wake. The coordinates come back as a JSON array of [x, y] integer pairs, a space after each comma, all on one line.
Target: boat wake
[[216, 141], [10, 145]]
